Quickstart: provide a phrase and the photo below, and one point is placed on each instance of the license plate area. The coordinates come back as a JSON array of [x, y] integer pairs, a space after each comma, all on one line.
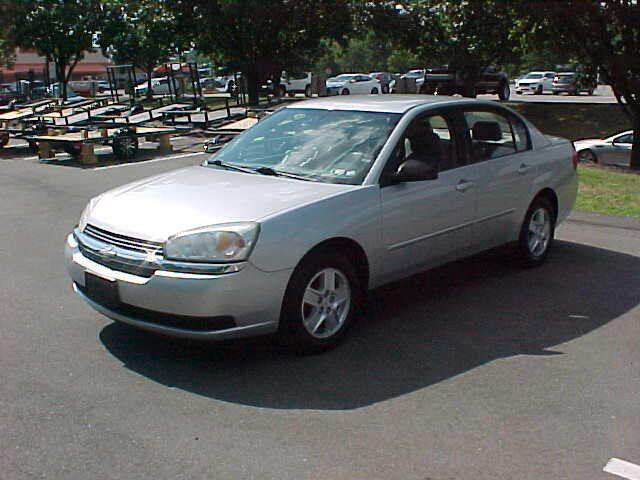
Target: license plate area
[[101, 290]]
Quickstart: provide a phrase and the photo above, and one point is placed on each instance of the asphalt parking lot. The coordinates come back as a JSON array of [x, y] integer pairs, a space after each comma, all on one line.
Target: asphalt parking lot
[[476, 370]]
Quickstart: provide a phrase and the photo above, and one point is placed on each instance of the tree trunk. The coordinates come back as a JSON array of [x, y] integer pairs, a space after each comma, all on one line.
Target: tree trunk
[[62, 79], [149, 84], [635, 150], [252, 84]]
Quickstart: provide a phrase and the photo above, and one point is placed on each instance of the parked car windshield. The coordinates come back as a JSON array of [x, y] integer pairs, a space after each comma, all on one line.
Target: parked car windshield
[[331, 146], [345, 77], [533, 75]]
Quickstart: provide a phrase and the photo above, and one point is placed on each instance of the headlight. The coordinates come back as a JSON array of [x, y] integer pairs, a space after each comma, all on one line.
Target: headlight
[[229, 242]]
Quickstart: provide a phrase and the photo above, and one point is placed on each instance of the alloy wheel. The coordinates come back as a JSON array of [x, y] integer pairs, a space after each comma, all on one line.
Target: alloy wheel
[[326, 303], [539, 232]]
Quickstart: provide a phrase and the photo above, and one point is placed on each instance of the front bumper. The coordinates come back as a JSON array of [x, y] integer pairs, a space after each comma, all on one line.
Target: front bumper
[[532, 87], [213, 307]]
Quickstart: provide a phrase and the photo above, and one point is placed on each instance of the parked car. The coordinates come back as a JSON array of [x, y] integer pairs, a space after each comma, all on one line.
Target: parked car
[[295, 82], [385, 79], [612, 150], [55, 91], [284, 229], [445, 81], [353, 84], [535, 82], [573, 83], [89, 86], [159, 86]]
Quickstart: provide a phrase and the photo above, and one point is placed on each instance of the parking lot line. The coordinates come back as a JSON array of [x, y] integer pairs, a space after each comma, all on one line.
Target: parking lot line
[[172, 157], [623, 469]]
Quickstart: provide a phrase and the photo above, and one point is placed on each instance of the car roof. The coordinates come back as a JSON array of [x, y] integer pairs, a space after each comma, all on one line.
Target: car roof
[[384, 103]]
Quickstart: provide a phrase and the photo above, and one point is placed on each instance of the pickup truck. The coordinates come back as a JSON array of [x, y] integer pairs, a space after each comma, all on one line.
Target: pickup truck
[[445, 81]]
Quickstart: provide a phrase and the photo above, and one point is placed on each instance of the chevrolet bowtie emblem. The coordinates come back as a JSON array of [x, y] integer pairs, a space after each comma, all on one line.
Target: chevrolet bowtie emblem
[[108, 251]]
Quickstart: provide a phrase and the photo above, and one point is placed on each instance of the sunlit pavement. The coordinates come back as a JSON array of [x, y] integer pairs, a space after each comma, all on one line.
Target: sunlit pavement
[[475, 370]]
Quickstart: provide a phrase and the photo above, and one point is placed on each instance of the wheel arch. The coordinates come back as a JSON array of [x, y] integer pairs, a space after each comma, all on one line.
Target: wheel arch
[[354, 253], [551, 196]]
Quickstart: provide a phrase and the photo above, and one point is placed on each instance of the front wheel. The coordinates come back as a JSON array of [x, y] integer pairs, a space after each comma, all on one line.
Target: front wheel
[[536, 233], [320, 301], [587, 156], [4, 139], [505, 92], [307, 91], [374, 91], [345, 91]]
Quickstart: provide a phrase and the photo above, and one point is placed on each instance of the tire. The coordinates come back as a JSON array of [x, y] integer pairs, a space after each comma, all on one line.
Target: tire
[[306, 299], [125, 147], [587, 156], [374, 91], [537, 233], [504, 93], [307, 91], [555, 92], [4, 139], [539, 90], [385, 89]]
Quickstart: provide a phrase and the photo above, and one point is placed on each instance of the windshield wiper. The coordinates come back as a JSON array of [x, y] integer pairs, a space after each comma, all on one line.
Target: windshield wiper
[[219, 163], [279, 173]]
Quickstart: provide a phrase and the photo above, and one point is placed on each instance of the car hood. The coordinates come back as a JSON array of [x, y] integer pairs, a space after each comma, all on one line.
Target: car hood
[[158, 207]]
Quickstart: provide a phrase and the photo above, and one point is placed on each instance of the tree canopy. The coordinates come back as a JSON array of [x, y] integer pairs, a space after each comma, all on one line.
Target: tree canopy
[[59, 30]]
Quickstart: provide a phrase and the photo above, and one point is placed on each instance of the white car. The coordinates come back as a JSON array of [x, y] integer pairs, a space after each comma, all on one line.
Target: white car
[[535, 82], [285, 228], [292, 83], [159, 86], [612, 150], [353, 84]]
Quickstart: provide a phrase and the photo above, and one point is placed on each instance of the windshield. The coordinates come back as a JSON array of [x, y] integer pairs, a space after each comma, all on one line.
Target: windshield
[[534, 75], [565, 78], [331, 146]]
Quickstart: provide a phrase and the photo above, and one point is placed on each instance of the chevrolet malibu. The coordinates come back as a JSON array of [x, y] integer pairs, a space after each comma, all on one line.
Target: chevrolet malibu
[[286, 227]]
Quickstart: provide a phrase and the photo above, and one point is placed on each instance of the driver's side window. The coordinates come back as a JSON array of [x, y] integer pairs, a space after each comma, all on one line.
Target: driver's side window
[[428, 139]]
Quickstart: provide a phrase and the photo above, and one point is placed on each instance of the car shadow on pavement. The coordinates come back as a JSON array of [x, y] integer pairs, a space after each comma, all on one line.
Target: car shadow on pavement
[[416, 333]]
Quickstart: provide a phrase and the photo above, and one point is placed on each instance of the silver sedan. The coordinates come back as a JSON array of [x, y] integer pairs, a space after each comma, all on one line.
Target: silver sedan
[[285, 228], [615, 150]]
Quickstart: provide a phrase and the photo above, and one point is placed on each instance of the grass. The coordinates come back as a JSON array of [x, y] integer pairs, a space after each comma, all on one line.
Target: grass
[[608, 192]]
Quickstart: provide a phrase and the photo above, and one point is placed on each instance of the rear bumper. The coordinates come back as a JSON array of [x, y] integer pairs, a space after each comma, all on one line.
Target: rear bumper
[[212, 307]]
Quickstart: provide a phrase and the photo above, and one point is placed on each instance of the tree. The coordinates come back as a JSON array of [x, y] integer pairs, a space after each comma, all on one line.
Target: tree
[[59, 30], [6, 21], [262, 38], [602, 37], [467, 35], [144, 33]]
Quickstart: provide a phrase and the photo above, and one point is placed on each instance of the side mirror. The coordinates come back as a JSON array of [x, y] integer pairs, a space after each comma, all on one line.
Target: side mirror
[[414, 171], [353, 80]]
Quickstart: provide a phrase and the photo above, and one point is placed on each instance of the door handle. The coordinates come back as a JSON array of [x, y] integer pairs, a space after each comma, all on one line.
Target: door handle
[[524, 168], [463, 186]]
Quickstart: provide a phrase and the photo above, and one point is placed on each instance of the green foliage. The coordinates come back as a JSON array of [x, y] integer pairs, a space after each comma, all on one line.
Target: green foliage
[[262, 38], [601, 36], [60, 30]]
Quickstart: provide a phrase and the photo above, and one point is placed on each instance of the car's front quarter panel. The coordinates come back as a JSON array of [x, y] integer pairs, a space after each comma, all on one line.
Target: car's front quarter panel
[[287, 236]]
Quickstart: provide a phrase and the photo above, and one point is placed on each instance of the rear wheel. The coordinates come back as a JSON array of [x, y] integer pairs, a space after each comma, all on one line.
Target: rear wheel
[[4, 139], [320, 301], [539, 90], [374, 91], [536, 233], [345, 91], [307, 91]]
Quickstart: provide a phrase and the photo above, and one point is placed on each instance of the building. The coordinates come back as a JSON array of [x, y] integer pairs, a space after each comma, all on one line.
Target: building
[[28, 64]]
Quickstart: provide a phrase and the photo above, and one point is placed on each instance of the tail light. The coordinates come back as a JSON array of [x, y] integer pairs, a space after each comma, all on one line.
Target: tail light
[[574, 156]]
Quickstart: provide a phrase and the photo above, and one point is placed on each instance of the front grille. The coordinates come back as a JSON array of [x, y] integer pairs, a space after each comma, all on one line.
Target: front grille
[[182, 322], [122, 241], [133, 267]]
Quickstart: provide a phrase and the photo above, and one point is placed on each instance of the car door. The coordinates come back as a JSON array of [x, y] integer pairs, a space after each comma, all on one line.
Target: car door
[[360, 86], [547, 81], [620, 151], [427, 223], [499, 145]]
